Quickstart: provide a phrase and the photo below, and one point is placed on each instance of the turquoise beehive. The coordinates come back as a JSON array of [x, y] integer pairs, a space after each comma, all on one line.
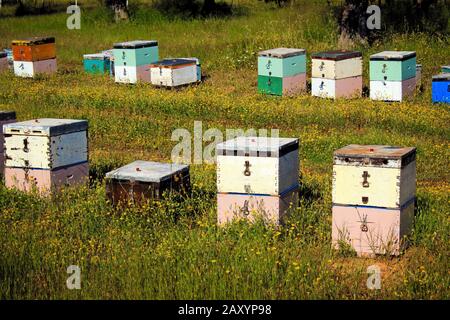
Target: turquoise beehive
[[393, 66], [135, 53]]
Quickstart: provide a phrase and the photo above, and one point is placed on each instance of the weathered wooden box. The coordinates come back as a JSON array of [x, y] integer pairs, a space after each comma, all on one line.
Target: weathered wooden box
[[140, 181], [282, 71], [271, 209], [440, 88], [392, 90], [29, 69], [45, 180], [97, 63], [336, 65], [46, 143], [124, 74], [257, 165], [135, 53], [34, 49], [392, 66], [3, 61], [373, 175], [371, 230], [5, 118], [173, 72], [341, 88]]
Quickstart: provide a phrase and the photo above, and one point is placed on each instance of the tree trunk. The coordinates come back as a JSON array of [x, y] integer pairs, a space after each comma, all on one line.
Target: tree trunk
[[120, 8]]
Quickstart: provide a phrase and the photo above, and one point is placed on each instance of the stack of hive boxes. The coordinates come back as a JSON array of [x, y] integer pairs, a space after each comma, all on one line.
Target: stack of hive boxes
[[5, 118], [97, 63], [174, 72], [3, 61], [256, 177], [282, 71], [46, 154], [132, 60], [140, 181], [336, 74], [34, 56], [392, 75], [440, 88], [373, 198]]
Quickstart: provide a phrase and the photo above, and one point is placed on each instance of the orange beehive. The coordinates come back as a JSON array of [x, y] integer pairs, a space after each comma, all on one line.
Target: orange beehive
[[34, 49]]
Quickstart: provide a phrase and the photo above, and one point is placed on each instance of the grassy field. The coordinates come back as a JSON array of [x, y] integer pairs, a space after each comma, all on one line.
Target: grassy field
[[173, 249]]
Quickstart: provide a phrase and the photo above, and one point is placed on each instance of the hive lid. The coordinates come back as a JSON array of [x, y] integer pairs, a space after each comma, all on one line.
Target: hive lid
[[393, 55], [374, 151], [197, 60], [46, 127], [3, 54], [94, 56], [442, 77], [257, 146], [7, 115], [137, 44], [173, 63], [147, 171], [282, 52], [336, 55], [33, 41]]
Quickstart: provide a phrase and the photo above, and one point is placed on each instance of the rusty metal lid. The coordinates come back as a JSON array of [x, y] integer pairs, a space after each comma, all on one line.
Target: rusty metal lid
[[442, 77], [336, 55], [7, 115], [45, 127], [393, 55], [147, 171], [136, 44], [173, 62], [257, 146], [282, 52], [374, 151], [33, 41]]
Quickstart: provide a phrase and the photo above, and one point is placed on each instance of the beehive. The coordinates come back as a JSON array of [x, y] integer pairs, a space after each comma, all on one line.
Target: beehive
[[174, 72], [45, 154], [282, 71], [256, 170], [199, 67], [132, 60], [441, 88], [5, 118], [97, 63], [3, 61], [34, 56], [445, 69], [143, 180], [336, 74], [392, 75], [378, 182]]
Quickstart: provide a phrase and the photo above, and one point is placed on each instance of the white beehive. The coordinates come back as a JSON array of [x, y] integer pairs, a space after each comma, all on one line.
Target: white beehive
[[174, 72], [257, 165]]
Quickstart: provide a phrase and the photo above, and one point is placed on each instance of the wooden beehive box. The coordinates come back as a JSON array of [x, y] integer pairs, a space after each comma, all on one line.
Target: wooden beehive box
[[441, 88], [46, 143], [257, 165], [5, 118], [282, 71], [142, 180], [371, 230], [97, 63], [34, 49], [336, 74], [271, 209], [173, 72], [373, 175], [29, 69]]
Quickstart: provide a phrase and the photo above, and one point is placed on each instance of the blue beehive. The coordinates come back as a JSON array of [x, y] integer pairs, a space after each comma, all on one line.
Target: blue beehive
[[441, 88], [96, 63]]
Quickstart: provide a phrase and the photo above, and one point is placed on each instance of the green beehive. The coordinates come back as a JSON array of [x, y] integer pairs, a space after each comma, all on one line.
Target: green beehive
[[393, 66]]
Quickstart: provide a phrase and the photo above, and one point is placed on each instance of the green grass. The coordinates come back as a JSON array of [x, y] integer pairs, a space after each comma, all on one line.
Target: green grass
[[173, 249]]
